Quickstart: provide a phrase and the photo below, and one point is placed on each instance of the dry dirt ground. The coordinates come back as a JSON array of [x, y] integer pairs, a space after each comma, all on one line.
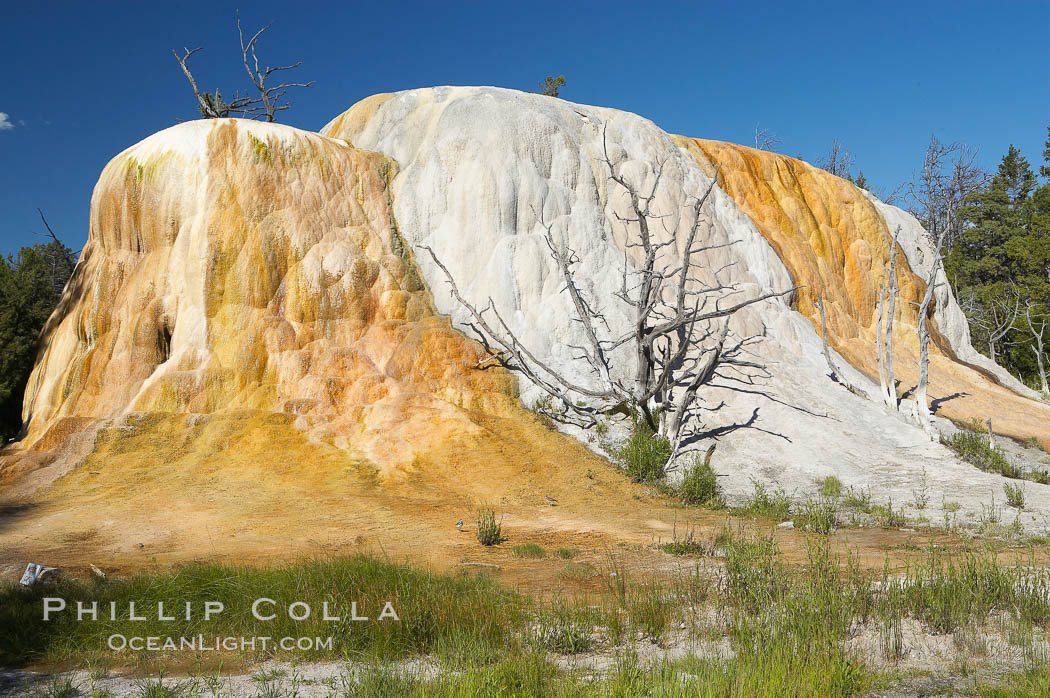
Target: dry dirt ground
[[165, 493]]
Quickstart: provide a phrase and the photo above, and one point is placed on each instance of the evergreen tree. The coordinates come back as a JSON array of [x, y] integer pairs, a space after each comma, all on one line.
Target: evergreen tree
[[1004, 252], [31, 285], [1044, 170], [552, 85]]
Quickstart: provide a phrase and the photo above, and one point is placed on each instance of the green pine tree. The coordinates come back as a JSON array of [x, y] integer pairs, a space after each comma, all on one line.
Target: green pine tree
[[31, 284], [1005, 249]]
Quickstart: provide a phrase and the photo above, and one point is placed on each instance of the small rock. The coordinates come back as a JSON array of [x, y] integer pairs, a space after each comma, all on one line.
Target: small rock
[[786, 525]]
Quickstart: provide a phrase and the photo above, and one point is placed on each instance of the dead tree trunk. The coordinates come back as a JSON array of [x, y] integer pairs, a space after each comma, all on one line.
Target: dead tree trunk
[[1037, 327], [879, 351], [680, 340], [890, 389], [1004, 314], [920, 406], [824, 337]]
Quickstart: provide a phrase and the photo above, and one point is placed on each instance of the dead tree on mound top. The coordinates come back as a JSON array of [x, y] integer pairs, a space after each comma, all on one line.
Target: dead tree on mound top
[[679, 342], [265, 106]]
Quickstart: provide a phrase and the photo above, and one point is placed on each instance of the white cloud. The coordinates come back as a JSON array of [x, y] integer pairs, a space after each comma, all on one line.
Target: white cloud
[[4, 123]]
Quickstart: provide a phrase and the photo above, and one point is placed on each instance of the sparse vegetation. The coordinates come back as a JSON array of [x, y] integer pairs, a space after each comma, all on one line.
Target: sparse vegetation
[[921, 496], [643, 456], [789, 627], [1014, 495], [529, 550], [566, 553], [699, 486], [887, 516], [685, 545], [817, 516], [973, 446], [489, 531], [771, 505], [831, 487], [857, 501]]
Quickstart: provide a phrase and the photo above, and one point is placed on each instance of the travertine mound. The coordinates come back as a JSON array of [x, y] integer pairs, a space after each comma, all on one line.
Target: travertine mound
[[481, 171], [239, 265], [242, 274], [835, 240]]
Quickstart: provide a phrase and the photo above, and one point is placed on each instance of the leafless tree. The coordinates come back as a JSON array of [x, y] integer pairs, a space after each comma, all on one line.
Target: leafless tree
[[1037, 323], [61, 259], [679, 340], [268, 96], [949, 176], [887, 195], [884, 335], [265, 106], [920, 405], [838, 161], [999, 319], [766, 140]]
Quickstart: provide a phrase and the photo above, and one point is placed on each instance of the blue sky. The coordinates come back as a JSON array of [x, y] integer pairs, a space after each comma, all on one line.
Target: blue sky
[[83, 81]]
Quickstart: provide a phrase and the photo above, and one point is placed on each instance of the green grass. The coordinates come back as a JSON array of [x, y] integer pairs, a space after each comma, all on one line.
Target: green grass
[[644, 454], [831, 487], [566, 553], [971, 444], [529, 550], [857, 501], [438, 611], [1014, 495], [699, 486], [489, 531], [788, 625], [886, 515], [771, 505], [817, 516], [685, 545]]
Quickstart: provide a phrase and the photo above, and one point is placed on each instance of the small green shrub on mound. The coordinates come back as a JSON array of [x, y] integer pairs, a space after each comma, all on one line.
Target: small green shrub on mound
[[643, 456], [699, 486], [531, 550], [566, 553], [1014, 495], [490, 531]]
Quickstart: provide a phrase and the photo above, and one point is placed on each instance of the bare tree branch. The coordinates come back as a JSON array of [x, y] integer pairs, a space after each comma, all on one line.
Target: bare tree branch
[[680, 338]]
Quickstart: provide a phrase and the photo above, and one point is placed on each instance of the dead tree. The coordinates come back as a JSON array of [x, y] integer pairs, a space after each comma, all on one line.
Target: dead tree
[[884, 335], [1001, 318], [824, 337], [268, 96], [766, 140], [838, 161], [680, 338], [920, 406], [1037, 323], [265, 106], [949, 176]]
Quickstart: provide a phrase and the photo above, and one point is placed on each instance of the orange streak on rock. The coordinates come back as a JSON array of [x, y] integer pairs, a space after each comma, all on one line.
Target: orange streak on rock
[[835, 242]]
